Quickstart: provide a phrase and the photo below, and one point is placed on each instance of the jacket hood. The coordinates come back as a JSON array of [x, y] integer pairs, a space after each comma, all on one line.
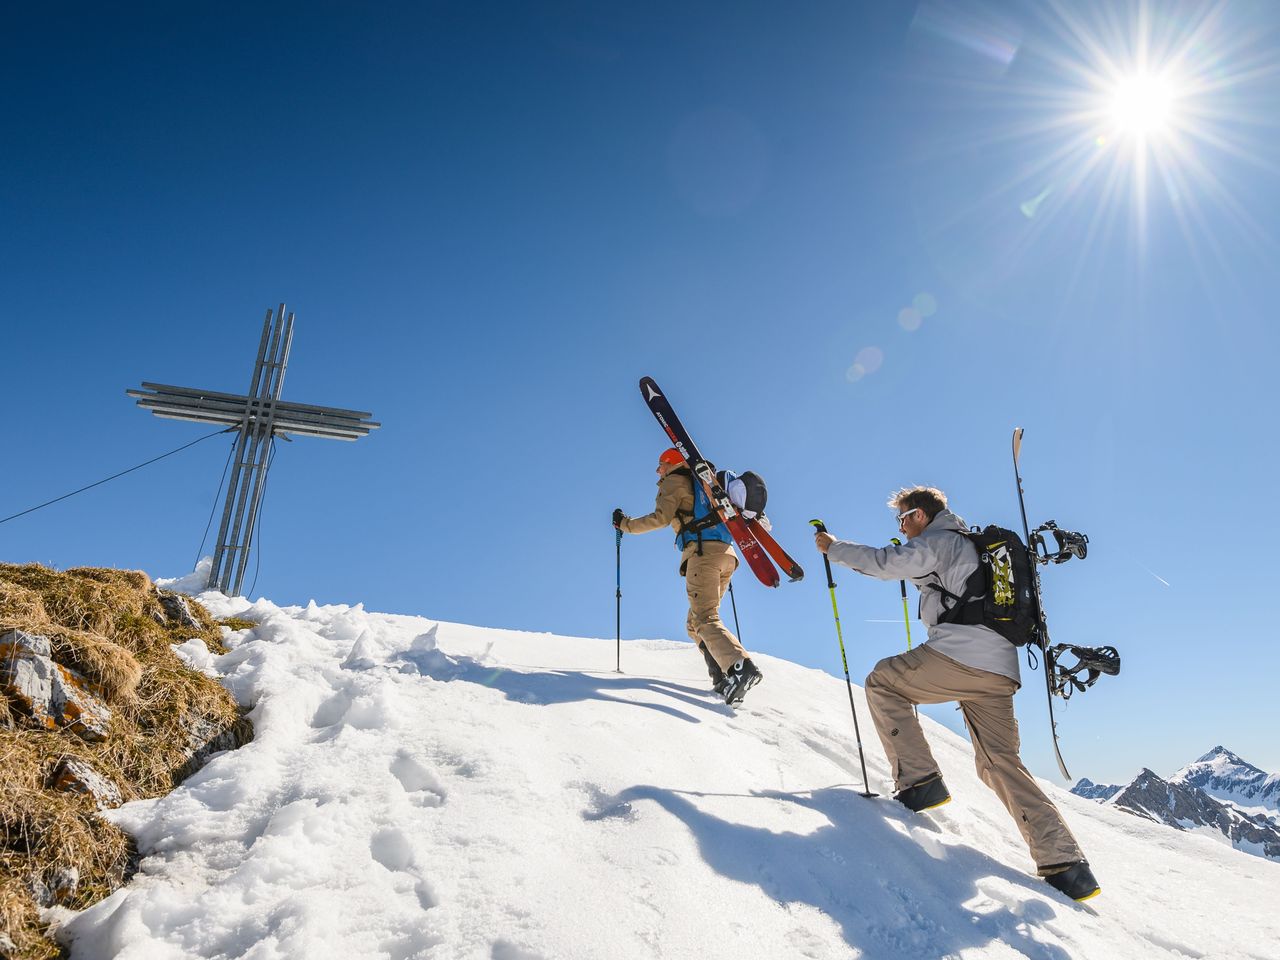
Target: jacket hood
[[946, 520]]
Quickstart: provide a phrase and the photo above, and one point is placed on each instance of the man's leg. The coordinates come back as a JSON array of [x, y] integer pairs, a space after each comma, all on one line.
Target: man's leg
[[893, 688], [994, 731], [706, 578]]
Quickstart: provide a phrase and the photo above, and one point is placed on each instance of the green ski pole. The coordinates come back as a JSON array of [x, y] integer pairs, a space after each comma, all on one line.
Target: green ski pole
[[906, 615], [902, 585], [831, 586]]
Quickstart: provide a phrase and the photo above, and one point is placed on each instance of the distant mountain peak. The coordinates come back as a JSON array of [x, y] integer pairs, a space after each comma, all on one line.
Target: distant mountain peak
[[1227, 777], [1222, 753], [1095, 791]]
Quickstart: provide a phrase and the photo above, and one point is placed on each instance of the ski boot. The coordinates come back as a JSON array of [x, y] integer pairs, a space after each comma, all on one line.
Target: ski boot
[[1076, 880], [740, 678], [718, 680], [925, 795]]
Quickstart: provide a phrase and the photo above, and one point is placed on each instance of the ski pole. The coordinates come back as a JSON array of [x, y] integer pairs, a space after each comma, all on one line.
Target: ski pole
[[831, 586], [902, 585], [734, 604], [619, 599], [906, 616]]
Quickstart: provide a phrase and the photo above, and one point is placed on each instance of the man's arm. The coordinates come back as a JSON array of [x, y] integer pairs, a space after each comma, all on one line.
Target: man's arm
[[915, 558], [664, 509]]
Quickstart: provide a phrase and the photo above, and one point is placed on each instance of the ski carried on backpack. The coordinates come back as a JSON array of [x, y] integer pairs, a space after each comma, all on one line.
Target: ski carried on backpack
[[756, 544], [771, 546]]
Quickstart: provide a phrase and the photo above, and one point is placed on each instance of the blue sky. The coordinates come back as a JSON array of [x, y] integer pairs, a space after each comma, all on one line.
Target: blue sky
[[492, 220]]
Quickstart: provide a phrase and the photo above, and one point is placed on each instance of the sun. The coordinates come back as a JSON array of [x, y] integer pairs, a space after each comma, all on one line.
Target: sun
[[1142, 105]]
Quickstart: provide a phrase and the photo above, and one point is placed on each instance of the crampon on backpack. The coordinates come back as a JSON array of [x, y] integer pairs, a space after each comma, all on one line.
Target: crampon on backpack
[[1000, 593]]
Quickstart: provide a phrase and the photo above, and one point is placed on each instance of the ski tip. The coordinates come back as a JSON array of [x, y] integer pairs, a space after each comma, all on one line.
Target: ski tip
[[795, 574]]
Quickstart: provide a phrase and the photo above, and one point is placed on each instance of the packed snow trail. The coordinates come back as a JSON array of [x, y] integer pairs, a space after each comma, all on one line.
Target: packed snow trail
[[432, 790]]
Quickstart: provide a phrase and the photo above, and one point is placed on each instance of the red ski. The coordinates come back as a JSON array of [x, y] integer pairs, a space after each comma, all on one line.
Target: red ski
[[741, 529], [771, 546]]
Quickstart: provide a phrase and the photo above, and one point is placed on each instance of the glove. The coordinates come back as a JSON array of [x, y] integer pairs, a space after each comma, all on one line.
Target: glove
[[618, 517]]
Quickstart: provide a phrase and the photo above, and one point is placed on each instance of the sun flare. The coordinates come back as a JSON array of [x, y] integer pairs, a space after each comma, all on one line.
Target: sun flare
[[1142, 105]]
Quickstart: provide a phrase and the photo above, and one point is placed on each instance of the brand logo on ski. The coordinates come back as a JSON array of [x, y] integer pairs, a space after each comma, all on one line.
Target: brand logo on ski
[[652, 392]]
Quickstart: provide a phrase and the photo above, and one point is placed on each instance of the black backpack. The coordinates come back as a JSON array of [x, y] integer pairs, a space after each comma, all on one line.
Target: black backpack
[[1000, 594], [756, 493]]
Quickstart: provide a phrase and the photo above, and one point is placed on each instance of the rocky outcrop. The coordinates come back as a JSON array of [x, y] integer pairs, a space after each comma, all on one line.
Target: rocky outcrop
[[1184, 806], [46, 694], [205, 738], [1095, 791], [75, 776], [178, 610]]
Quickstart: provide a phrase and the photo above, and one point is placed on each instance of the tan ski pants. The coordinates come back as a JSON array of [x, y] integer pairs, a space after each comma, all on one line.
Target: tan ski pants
[[924, 676], [706, 579]]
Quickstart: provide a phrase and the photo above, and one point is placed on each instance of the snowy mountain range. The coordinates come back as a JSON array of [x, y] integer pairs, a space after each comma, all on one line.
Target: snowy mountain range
[[1219, 794], [421, 790]]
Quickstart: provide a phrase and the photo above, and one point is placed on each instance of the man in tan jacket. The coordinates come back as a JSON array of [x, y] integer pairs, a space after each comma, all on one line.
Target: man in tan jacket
[[707, 562], [970, 664]]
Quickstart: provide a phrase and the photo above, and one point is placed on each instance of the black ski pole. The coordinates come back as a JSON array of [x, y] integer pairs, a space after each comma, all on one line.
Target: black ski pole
[[619, 599], [831, 586], [734, 605]]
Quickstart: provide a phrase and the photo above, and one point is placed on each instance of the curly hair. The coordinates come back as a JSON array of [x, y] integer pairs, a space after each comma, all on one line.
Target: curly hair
[[930, 499]]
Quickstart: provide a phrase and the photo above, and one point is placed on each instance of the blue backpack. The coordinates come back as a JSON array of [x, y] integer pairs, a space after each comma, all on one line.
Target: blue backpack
[[705, 524]]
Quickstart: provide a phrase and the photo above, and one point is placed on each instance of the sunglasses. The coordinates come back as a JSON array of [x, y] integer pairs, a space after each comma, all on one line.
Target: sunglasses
[[903, 516]]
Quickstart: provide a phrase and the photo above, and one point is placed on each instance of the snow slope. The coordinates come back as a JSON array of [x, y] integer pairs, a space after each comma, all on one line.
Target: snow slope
[[422, 789]]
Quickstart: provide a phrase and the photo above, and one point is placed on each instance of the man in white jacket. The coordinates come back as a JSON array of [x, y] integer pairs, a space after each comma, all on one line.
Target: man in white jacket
[[967, 663]]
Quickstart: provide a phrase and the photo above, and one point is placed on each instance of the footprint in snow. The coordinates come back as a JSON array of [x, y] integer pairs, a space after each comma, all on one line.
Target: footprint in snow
[[332, 711], [506, 950], [418, 779], [393, 849]]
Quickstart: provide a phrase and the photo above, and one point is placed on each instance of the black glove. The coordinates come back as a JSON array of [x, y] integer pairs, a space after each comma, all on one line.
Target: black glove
[[618, 517]]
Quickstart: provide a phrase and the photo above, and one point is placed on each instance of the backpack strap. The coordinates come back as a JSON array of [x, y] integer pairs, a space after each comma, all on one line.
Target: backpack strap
[[692, 525], [967, 607]]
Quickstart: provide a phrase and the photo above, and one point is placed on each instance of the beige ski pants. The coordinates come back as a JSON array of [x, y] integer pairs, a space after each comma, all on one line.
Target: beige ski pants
[[924, 676], [706, 579]]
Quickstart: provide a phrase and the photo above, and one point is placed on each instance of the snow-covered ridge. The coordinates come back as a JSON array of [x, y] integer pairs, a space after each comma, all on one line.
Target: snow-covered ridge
[[420, 789]]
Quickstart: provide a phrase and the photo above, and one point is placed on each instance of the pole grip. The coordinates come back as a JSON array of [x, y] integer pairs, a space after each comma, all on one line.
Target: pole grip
[[826, 561]]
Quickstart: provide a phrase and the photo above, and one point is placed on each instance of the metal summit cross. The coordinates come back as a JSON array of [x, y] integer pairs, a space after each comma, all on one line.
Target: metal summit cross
[[260, 416]]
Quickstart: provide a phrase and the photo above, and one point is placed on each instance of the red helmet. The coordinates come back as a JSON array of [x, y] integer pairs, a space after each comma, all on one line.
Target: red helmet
[[670, 455]]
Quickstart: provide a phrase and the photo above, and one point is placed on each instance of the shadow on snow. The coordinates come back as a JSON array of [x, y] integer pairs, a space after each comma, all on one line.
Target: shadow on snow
[[894, 891]]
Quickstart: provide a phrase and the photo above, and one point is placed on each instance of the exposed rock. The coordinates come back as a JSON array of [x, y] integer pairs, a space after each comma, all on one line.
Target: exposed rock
[[47, 694], [1095, 791], [75, 776], [178, 610], [58, 889], [207, 738], [1184, 806]]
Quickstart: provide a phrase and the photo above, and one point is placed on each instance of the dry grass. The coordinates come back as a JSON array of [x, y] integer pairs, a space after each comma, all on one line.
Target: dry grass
[[103, 624]]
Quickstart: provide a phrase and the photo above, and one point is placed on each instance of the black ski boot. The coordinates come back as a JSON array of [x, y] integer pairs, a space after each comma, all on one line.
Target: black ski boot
[[740, 678], [718, 680], [925, 795], [1076, 880]]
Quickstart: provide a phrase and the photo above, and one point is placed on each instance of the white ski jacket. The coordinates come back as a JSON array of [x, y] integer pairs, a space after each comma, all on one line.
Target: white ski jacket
[[938, 555]]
